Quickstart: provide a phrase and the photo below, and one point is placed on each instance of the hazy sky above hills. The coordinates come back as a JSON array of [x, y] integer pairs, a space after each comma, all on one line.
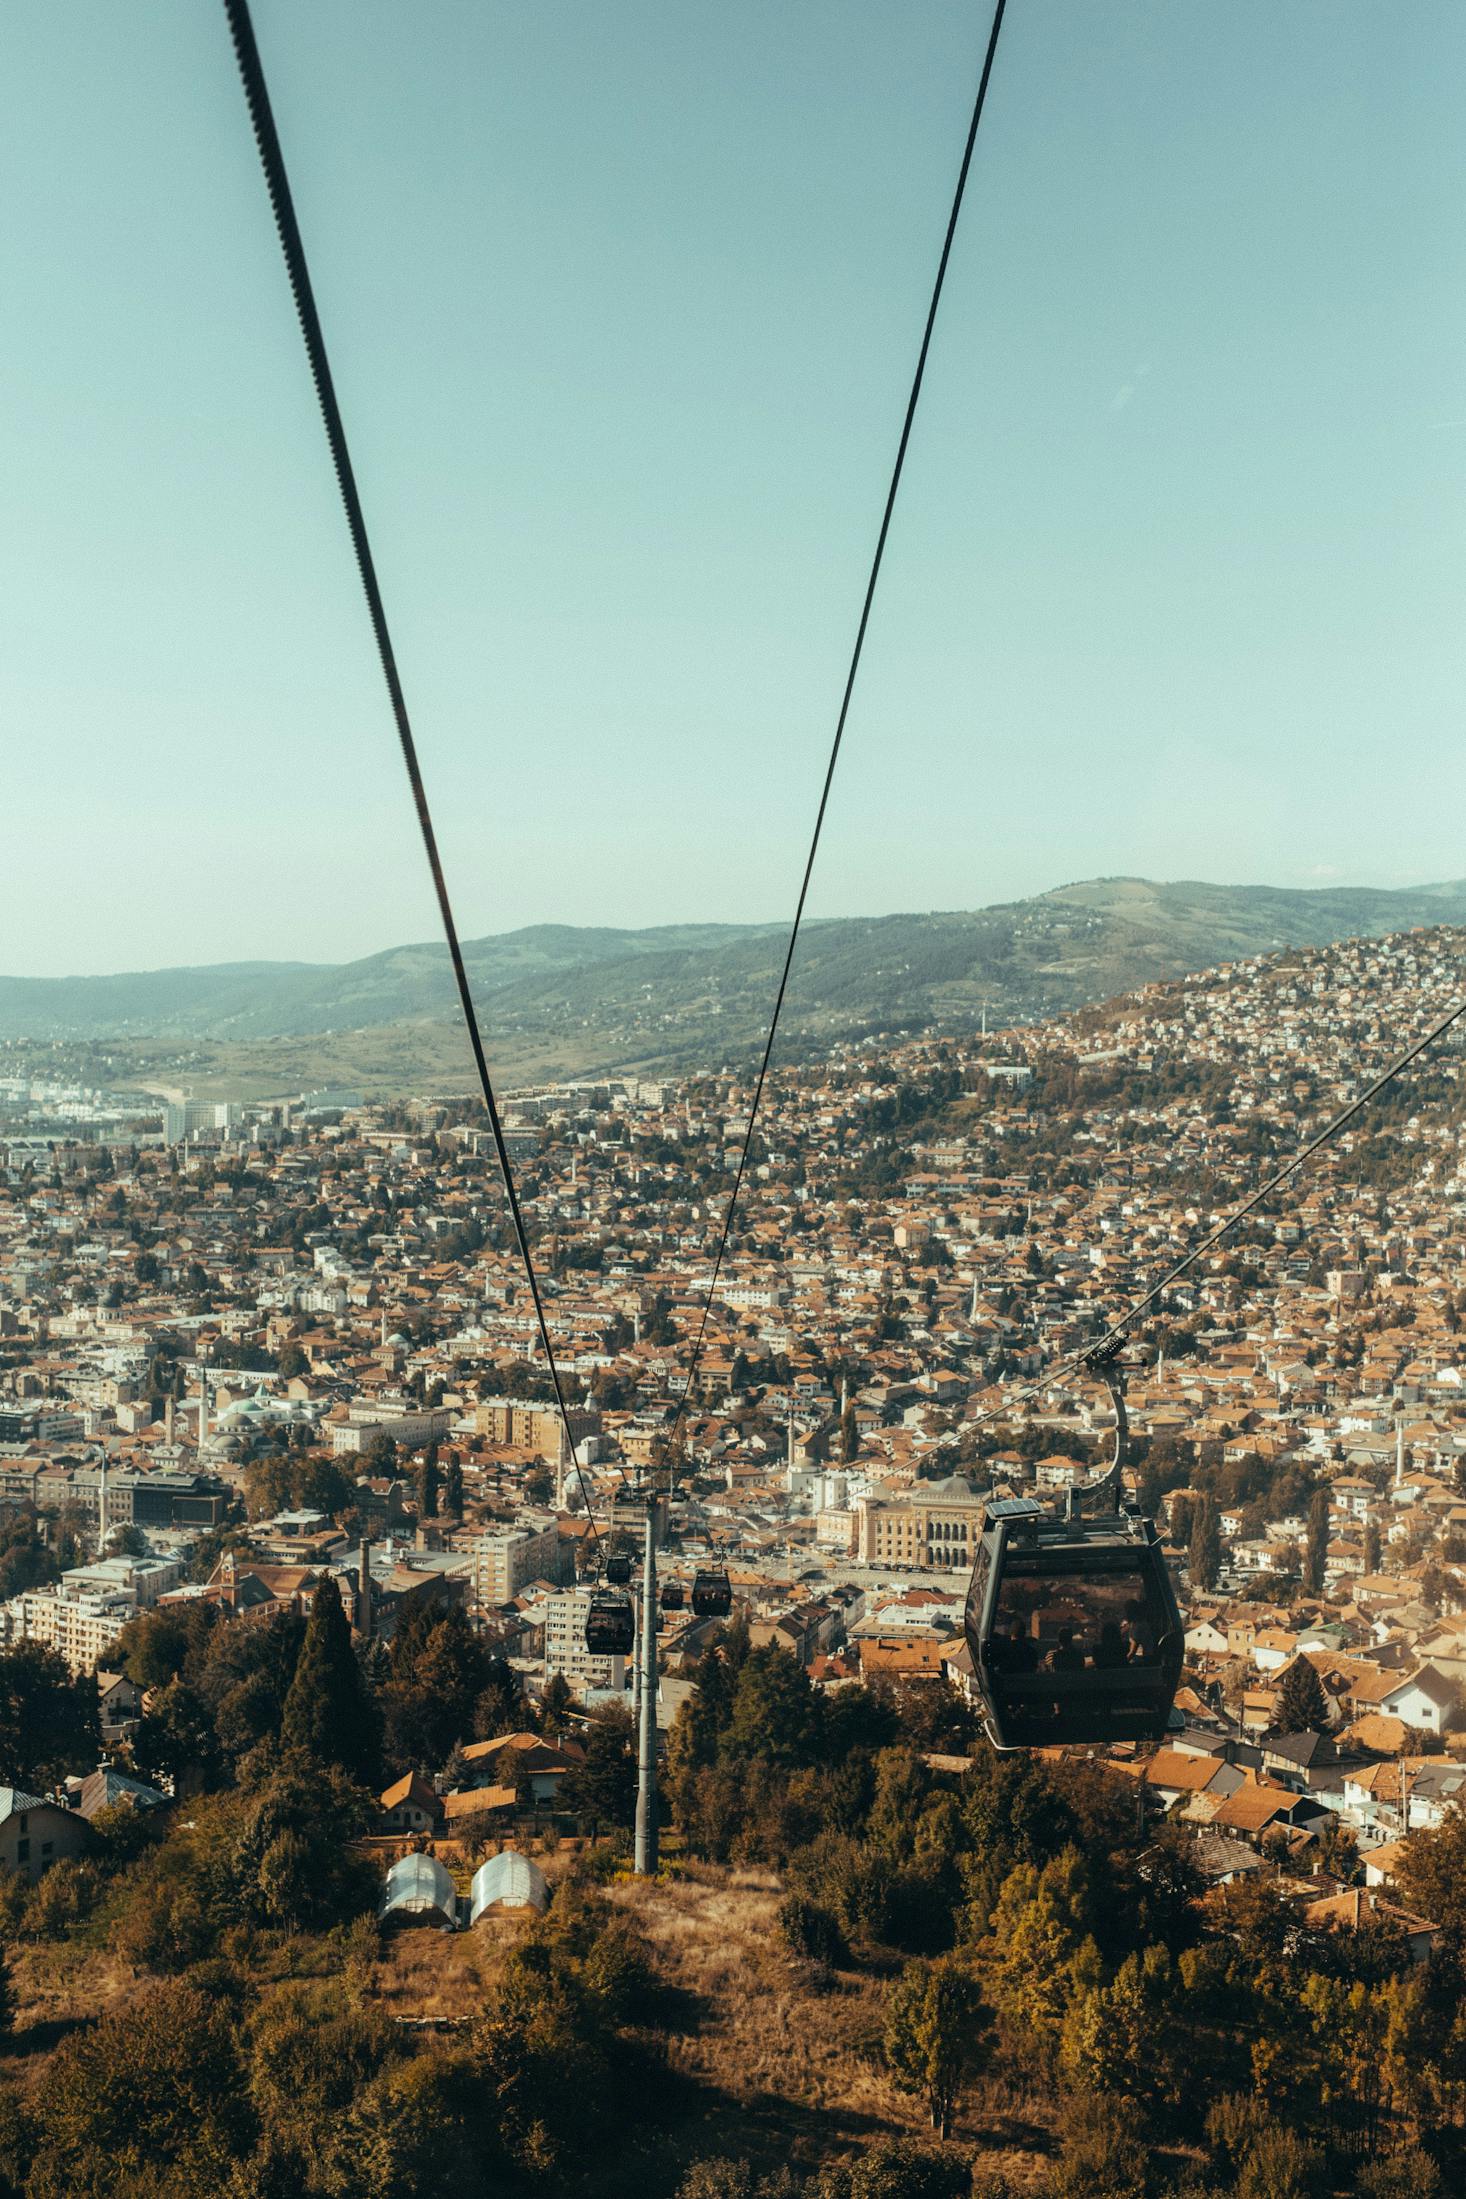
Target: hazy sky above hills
[[623, 299]]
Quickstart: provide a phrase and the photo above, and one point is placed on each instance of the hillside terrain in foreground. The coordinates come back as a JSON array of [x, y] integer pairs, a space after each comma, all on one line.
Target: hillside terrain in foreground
[[762, 2059]]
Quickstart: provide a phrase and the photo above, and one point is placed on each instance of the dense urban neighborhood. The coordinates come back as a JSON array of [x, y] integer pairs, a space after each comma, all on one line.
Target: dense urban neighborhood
[[297, 1550]]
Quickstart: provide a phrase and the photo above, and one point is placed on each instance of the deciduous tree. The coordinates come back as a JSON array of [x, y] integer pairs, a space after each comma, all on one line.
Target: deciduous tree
[[48, 1718], [938, 2034]]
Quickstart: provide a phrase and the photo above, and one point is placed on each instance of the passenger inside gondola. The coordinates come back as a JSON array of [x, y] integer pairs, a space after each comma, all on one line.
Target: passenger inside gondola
[[1013, 1649], [1079, 1623], [1110, 1650]]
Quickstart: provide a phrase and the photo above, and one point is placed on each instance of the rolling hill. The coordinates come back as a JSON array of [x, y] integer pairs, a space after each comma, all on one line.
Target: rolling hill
[[683, 994]]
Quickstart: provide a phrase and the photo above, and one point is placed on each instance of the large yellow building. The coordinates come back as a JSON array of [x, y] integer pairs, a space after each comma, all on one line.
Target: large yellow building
[[934, 1528], [532, 1425]]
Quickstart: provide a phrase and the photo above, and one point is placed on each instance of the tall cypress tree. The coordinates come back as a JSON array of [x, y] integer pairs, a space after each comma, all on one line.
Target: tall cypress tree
[[328, 1713], [453, 1490], [1315, 1556], [1204, 1555], [429, 1481]]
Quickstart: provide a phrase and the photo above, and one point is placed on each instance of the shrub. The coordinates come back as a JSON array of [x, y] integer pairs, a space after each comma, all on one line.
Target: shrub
[[1408, 2174], [64, 1898], [896, 2169], [811, 1931]]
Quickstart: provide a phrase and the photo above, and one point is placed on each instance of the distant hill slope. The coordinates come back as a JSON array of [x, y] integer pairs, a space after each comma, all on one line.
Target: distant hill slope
[[683, 993]]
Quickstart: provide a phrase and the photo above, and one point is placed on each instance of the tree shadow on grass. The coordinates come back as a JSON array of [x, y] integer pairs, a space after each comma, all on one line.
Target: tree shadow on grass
[[43, 2036]]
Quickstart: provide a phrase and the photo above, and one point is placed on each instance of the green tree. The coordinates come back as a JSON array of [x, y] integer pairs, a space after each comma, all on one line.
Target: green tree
[[1204, 1552], [902, 1786], [429, 1484], [292, 1361], [149, 2098], [1044, 1951], [555, 1706], [48, 1718], [1431, 1874], [938, 2034], [1316, 1548], [283, 1853], [1013, 1813], [328, 1712], [313, 2051], [156, 1646], [895, 2168], [1303, 1707], [440, 1667], [1124, 2040], [811, 1931], [453, 1490], [499, 1705], [776, 1718], [177, 1741], [602, 1790]]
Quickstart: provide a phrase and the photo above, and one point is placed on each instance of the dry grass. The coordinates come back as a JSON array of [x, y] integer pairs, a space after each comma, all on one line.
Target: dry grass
[[762, 2062], [422, 1973], [785, 2069]]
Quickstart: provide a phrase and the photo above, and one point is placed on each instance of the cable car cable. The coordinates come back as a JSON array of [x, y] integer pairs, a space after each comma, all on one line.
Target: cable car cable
[[1115, 1334], [912, 400], [272, 161]]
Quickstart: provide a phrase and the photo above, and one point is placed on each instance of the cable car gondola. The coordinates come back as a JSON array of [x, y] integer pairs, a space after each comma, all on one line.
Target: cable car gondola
[[674, 1595], [610, 1627], [1071, 1618], [712, 1593], [618, 1571]]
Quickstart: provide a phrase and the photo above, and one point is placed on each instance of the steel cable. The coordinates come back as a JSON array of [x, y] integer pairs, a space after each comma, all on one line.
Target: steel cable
[[741, 1169], [272, 160]]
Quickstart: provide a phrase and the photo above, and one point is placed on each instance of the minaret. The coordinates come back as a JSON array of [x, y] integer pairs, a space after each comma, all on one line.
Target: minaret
[[1400, 1451], [102, 1507], [384, 1327], [168, 1420], [203, 1407], [972, 1309]]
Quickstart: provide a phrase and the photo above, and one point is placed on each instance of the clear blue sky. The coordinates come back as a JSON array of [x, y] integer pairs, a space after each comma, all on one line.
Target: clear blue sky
[[623, 297]]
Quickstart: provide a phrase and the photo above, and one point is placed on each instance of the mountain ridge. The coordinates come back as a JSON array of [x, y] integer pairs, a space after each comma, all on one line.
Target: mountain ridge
[[682, 992]]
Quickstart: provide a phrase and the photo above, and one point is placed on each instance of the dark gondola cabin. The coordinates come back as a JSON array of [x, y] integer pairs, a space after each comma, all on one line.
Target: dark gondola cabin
[[618, 1571], [1073, 1627], [674, 1595], [712, 1593], [610, 1628]]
